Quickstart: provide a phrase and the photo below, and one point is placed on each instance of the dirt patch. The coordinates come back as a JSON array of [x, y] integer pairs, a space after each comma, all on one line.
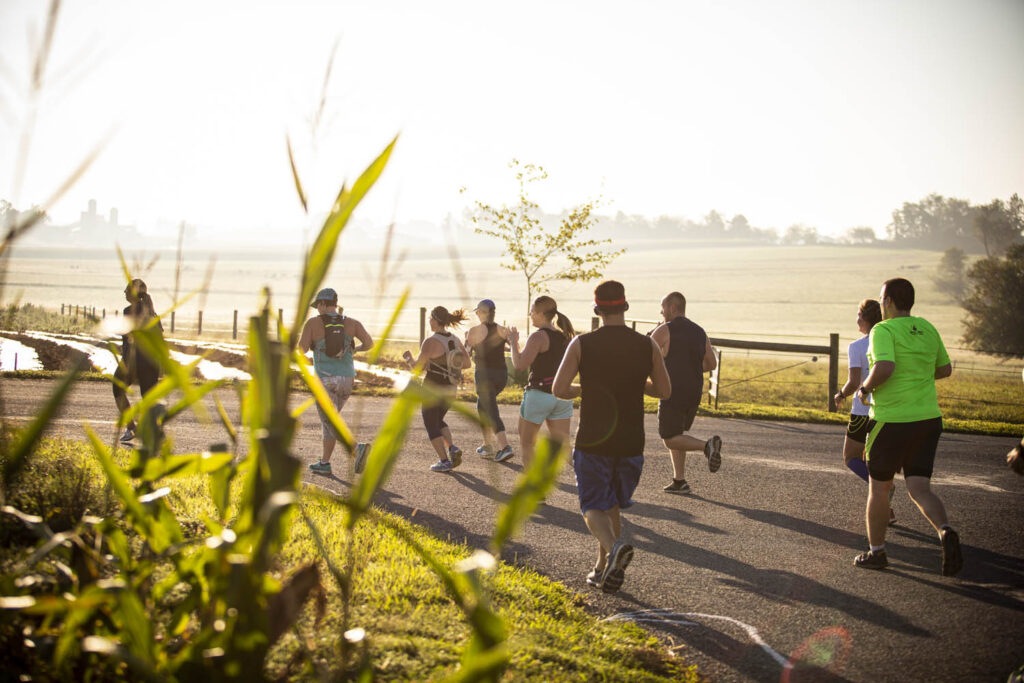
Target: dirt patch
[[52, 355], [228, 359]]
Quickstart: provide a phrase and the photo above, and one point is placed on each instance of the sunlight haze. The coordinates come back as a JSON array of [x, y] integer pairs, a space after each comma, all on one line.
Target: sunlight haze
[[826, 114]]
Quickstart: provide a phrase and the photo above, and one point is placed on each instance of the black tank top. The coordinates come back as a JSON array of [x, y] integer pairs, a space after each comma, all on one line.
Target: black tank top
[[685, 361], [490, 353], [615, 363], [545, 365]]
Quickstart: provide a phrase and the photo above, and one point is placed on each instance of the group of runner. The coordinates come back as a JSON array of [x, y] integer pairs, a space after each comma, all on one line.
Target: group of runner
[[894, 426]]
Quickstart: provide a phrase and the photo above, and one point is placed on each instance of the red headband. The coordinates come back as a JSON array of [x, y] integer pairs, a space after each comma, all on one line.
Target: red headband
[[616, 302]]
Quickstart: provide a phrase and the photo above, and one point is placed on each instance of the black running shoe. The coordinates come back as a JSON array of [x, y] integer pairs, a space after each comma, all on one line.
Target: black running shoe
[[871, 560], [952, 558], [677, 486], [618, 559], [713, 451]]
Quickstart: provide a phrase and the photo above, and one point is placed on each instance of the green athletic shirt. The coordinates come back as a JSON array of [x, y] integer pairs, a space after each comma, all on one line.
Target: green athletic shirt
[[916, 348]]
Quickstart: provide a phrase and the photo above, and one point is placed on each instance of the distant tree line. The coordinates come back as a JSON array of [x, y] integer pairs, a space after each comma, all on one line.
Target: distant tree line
[[935, 222]]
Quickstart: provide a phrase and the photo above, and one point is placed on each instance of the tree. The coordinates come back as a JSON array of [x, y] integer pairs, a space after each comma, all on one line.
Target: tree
[[714, 223], [863, 235], [542, 255], [995, 304], [949, 276], [935, 222], [996, 226], [800, 234], [739, 226]]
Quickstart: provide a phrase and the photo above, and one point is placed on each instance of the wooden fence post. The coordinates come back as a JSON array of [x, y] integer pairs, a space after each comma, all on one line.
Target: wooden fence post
[[833, 370], [62, 309], [280, 322], [172, 322], [234, 326], [423, 324], [104, 314], [199, 331]]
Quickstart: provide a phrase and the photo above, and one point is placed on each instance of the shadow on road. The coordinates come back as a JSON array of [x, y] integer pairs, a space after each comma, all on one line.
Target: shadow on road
[[829, 534]]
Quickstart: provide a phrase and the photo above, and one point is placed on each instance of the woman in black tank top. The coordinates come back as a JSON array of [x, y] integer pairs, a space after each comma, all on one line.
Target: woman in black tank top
[[542, 354], [444, 356], [487, 343]]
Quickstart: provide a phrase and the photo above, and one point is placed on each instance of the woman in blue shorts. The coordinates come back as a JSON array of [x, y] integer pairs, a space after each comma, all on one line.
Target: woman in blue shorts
[[542, 354]]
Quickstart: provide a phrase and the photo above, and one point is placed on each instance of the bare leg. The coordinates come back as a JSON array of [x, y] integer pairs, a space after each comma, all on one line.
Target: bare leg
[[527, 438], [446, 434], [559, 429], [877, 512], [602, 525], [328, 450], [852, 450], [927, 502], [440, 447], [678, 464], [677, 446], [501, 439]]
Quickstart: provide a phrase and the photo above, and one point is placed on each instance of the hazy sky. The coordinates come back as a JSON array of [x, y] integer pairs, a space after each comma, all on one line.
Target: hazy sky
[[829, 113]]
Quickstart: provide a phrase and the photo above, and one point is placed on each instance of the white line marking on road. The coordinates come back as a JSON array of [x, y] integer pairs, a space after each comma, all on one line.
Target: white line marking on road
[[682, 619], [59, 420]]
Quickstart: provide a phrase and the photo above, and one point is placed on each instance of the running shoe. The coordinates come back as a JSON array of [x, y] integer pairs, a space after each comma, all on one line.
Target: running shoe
[[504, 454], [618, 559], [442, 466], [129, 435], [952, 559], [320, 467], [677, 486], [594, 578], [362, 450], [871, 560], [455, 454], [713, 452], [485, 451]]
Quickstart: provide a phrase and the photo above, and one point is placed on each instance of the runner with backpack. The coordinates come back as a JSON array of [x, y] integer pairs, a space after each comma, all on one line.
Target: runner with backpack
[[444, 357], [332, 338]]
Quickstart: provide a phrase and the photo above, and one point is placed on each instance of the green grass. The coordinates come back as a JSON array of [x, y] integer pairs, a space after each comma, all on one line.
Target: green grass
[[414, 630], [32, 317]]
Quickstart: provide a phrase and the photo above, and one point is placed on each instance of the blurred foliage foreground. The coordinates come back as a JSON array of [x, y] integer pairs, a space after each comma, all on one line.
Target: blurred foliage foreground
[[216, 566]]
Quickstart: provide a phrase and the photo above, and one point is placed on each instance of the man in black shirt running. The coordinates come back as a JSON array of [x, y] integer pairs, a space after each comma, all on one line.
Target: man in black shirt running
[[688, 355], [614, 364]]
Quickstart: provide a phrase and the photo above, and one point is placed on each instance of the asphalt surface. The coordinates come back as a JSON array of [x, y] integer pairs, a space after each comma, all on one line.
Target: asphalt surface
[[749, 572]]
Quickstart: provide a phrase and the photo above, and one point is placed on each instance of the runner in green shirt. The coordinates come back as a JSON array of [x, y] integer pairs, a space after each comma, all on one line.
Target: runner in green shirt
[[906, 356]]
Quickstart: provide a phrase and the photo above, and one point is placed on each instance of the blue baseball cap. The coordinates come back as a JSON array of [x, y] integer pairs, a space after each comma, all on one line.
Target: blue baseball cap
[[325, 294], [485, 305]]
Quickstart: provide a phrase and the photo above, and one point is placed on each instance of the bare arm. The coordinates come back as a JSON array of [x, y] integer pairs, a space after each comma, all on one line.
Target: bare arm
[[660, 385], [662, 338], [537, 343], [430, 350], [563, 387], [943, 371], [364, 338], [466, 360], [306, 338], [710, 360], [848, 389]]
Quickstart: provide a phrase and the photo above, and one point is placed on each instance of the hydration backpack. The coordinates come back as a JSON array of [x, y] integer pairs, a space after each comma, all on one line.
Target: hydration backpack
[[334, 335], [451, 367]]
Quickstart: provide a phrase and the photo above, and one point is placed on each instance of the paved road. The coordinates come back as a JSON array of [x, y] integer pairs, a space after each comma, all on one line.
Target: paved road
[[750, 570]]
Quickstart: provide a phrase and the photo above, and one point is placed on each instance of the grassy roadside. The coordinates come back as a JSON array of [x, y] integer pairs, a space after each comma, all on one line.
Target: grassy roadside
[[734, 410], [413, 630]]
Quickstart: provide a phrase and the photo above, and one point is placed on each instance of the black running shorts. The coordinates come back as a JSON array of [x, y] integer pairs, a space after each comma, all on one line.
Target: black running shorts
[[857, 430], [673, 420], [907, 446]]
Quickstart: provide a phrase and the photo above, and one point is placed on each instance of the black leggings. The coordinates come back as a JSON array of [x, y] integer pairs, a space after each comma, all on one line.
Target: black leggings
[[489, 383], [142, 371]]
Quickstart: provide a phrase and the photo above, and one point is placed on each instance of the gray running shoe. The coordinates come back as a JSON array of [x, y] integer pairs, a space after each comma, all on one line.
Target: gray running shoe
[[442, 466], [320, 467], [713, 452], [129, 435], [362, 450], [677, 486], [485, 451], [618, 559], [594, 579], [504, 454], [952, 558]]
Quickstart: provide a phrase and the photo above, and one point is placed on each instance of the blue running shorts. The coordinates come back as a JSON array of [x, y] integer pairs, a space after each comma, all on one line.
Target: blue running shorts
[[603, 483]]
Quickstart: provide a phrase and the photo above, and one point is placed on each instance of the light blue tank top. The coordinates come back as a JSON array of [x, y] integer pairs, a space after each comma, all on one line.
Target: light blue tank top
[[333, 367]]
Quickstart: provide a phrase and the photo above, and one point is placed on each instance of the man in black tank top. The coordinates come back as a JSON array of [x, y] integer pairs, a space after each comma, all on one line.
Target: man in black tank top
[[688, 355], [614, 364]]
